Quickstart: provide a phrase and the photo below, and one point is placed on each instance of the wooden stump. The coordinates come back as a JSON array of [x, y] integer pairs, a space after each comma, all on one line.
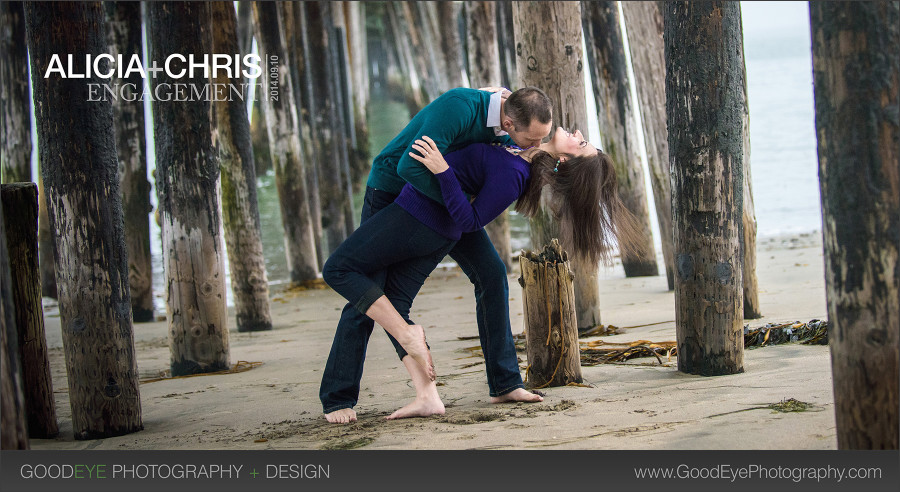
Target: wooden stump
[[20, 217], [551, 331]]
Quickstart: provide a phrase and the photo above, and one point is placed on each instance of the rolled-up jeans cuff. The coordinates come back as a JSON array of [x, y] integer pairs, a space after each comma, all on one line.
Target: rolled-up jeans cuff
[[369, 298]]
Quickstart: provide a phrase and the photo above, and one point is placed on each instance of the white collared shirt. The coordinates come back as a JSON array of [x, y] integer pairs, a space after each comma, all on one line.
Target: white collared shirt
[[493, 116]]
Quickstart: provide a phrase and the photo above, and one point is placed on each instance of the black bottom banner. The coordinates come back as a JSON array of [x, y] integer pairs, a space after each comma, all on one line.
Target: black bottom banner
[[396, 471]]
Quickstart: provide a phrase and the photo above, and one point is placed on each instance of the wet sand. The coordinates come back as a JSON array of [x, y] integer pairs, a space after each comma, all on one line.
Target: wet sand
[[639, 404]]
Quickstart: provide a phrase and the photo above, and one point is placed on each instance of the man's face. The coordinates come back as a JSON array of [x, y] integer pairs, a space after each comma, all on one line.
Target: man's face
[[527, 137]]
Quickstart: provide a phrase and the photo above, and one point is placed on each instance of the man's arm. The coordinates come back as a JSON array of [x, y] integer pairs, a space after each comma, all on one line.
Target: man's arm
[[444, 124]]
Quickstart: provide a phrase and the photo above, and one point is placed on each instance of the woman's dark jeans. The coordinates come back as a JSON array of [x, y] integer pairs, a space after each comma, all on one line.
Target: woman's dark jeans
[[392, 239], [478, 259]]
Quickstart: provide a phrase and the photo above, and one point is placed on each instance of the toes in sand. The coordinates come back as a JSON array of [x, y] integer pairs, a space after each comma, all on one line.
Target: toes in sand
[[342, 416]]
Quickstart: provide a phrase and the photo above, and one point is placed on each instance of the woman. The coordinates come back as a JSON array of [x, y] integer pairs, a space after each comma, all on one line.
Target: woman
[[412, 235]]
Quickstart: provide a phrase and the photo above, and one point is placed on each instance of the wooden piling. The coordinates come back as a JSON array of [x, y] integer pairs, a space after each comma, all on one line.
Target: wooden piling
[[284, 143], [45, 243], [605, 53], [448, 14], [79, 166], [296, 41], [324, 119], [549, 56], [15, 134], [20, 210], [355, 15], [425, 48], [188, 180], [856, 98], [484, 71], [340, 67], [124, 37], [412, 84], [13, 429], [246, 31], [240, 210], [506, 42], [748, 215], [704, 84], [551, 332]]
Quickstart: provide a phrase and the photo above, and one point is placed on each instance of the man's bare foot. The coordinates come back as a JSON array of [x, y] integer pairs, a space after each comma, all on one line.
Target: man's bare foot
[[342, 416], [420, 407], [518, 394], [415, 346]]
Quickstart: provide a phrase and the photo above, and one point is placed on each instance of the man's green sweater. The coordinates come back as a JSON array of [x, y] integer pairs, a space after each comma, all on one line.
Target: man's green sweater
[[455, 119]]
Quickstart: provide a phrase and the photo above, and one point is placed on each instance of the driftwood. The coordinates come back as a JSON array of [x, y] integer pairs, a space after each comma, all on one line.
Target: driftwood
[[551, 331]]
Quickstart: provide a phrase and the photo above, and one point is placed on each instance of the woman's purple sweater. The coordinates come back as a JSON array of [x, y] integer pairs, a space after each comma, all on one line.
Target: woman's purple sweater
[[489, 172]]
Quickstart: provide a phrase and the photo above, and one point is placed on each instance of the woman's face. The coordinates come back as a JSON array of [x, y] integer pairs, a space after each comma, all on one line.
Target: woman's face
[[566, 144]]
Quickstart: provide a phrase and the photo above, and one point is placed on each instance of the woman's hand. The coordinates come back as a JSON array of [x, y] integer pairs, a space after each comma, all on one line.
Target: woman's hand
[[504, 92], [429, 155]]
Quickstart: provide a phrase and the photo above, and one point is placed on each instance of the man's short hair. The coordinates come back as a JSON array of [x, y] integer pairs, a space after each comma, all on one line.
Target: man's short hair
[[526, 105]]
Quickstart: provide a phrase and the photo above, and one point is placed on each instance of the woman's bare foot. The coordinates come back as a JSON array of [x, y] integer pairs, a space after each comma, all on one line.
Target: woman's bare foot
[[518, 394], [342, 416], [414, 344], [420, 407], [410, 337]]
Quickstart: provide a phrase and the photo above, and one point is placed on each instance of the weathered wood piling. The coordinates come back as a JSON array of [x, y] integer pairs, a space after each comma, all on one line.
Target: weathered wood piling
[[13, 428], [704, 94], [605, 53], [20, 211], [80, 170], [484, 71], [240, 211], [284, 143], [188, 180], [15, 139], [645, 41], [855, 72], [325, 116], [123, 21], [549, 56]]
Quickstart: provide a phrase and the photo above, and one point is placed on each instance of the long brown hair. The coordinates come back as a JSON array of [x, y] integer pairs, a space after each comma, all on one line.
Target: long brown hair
[[584, 199]]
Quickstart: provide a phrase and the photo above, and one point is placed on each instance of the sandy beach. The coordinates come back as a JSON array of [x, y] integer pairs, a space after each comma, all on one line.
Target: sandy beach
[[639, 404]]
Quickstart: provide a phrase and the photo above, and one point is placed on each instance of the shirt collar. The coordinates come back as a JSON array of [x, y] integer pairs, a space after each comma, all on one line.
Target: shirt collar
[[493, 115]]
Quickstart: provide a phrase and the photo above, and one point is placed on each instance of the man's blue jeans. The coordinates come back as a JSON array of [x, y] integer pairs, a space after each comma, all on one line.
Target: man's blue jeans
[[478, 259]]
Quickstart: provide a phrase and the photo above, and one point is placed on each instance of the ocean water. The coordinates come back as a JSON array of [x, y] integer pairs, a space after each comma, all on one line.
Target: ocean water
[[783, 160], [782, 138]]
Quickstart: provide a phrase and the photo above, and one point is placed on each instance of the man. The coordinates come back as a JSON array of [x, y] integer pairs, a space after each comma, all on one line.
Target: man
[[457, 118]]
